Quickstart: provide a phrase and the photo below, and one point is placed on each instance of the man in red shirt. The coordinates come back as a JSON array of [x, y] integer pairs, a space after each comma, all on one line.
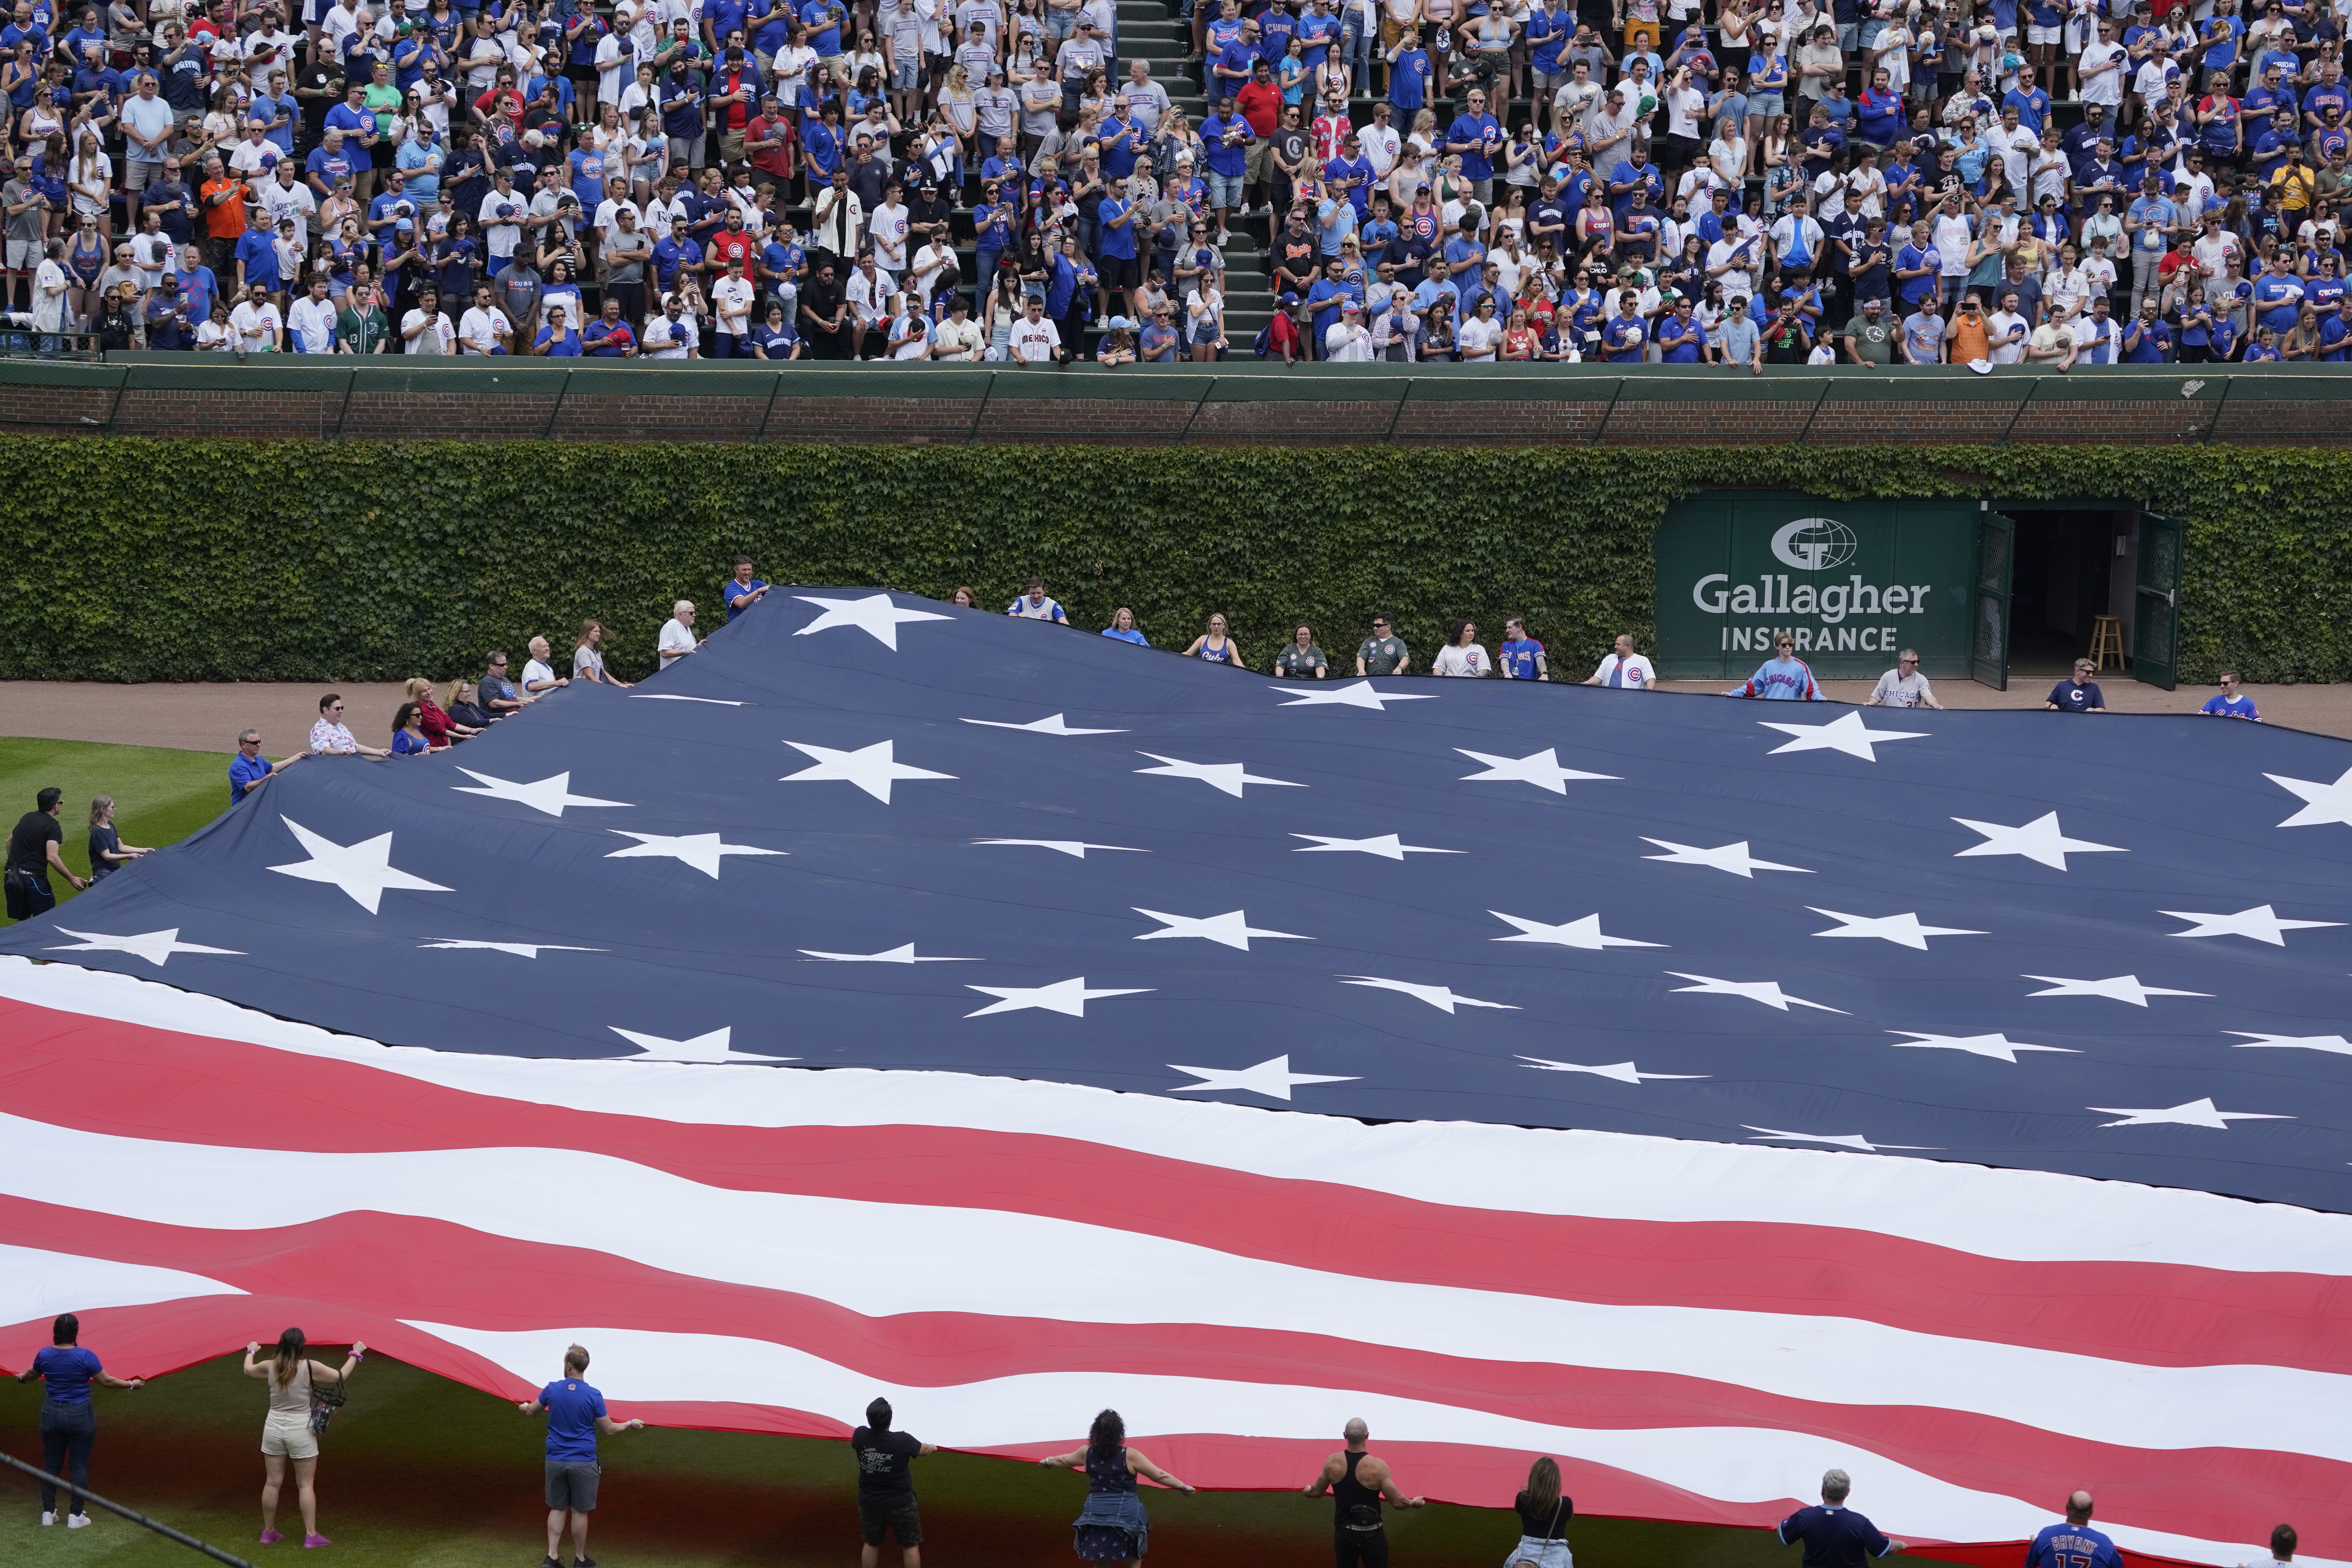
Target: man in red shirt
[[1282, 334], [770, 141], [734, 87], [1259, 101], [733, 243], [1333, 133]]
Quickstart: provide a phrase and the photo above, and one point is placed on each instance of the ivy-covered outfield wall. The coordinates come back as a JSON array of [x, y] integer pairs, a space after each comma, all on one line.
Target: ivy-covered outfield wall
[[137, 559]]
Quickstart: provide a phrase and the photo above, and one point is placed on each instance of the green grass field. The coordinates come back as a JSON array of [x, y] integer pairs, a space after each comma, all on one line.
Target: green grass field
[[419, 1472], [161, 795]]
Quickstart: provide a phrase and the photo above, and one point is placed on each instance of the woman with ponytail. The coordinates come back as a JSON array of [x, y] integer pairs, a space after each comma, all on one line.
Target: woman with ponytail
[[287, 1432]]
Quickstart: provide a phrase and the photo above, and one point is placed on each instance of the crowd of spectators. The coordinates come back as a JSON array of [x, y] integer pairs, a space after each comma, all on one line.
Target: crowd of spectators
[[2051, 182]]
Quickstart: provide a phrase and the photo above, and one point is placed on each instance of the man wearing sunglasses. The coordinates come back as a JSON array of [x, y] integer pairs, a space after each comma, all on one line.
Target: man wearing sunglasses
[[331, 737], [499, 695], [1903, 686]]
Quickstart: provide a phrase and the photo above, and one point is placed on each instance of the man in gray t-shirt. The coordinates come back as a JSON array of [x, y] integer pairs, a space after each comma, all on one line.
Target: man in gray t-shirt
[[1903, 686], [27, 211]]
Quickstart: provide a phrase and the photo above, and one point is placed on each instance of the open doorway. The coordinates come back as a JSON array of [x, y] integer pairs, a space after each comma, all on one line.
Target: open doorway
[[2071, 566]]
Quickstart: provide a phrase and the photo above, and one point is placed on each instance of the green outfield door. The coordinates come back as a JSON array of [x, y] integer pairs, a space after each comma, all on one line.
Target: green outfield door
[[2156, 603], [1853, 583], [1988, 627]]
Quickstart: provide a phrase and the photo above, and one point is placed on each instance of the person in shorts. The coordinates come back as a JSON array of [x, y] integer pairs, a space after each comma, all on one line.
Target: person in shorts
[[576, 1418], [886, 1492]]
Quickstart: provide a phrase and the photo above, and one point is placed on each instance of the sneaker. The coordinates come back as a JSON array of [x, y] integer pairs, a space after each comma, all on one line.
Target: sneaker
[[78, 1522], [1227, 237], [48, 1519], [311, 1541], [553, 1562], [271, 1537], [584, 1562]]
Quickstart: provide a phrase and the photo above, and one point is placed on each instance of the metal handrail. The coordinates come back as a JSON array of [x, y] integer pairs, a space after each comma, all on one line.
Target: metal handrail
[[133, 1514]]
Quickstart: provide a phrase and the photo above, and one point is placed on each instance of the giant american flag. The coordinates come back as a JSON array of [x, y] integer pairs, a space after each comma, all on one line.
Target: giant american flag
[[893, 998]]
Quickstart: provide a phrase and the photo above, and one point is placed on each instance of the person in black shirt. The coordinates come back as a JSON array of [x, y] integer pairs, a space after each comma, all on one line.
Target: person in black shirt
[[1359, 1483], [32, 852], [1834, 1535], [1787, 339], [886, 1492], [1544, 1511]]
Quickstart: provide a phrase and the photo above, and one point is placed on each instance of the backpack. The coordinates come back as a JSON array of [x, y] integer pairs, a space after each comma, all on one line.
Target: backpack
[[1262, 344]]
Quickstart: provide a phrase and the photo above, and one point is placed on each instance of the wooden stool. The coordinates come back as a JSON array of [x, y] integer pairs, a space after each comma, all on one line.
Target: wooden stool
[[2107, 641]]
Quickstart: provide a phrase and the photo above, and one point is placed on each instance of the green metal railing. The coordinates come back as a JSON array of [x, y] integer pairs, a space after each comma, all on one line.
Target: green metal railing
[[1372, 402]]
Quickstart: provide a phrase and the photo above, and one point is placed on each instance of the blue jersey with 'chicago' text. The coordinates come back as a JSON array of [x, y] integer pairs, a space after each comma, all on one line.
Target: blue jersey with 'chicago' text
[[1785, 679]]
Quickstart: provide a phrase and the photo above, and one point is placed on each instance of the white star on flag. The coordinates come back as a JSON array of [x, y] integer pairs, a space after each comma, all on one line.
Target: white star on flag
[[2114, 988], [1271, 1078], [1902, 929], [364, 869], [2261, 923], [1834, 1140], [1230, 929], [1438, 996], [1050, 724], [700, 850], [1768, 991], [1227, 776], [1585, 933], [1356, 694], [2038, 840], [1731, 857], [1074, 848], [155, 946], [870, 768], [874, 614], [1065, 996], [710, 1048], [2322, 803], [1846, 733], [2000, 1048], [550, 794], [1623, 1072], [2335, 1045], [2196, 1113], [1540, 769], [1387, 845], [515, 949], [896, 955]]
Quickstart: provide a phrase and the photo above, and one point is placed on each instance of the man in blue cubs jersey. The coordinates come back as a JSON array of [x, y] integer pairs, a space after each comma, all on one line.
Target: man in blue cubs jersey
[[2073, 1544], [1520, 658], [1834, 1535], [1783, 677]]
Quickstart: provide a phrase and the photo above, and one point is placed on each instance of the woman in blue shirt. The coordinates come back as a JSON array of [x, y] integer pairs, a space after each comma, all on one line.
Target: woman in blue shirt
[[69, 1420], [1215, 646], [407, 733], [1122, 627]]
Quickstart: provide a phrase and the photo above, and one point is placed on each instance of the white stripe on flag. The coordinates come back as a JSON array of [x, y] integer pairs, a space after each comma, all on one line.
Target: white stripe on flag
[[1016, 1265], [2027, 1216]]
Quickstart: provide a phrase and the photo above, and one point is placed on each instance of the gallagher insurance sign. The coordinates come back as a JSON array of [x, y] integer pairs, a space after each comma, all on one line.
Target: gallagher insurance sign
[[1853, 582]]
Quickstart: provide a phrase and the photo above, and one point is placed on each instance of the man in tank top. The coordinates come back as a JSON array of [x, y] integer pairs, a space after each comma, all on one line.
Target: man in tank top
[[1359, 1482]]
